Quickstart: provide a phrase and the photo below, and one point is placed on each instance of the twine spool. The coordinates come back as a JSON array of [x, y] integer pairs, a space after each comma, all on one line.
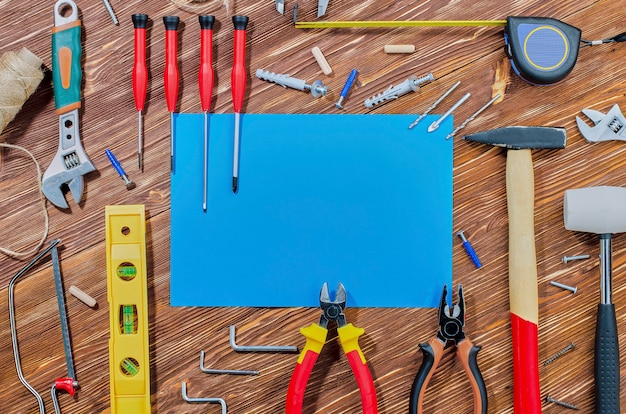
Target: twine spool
[[20, 75]]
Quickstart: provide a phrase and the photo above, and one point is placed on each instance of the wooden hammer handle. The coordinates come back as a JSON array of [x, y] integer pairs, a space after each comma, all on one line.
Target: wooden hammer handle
[[523, 294]]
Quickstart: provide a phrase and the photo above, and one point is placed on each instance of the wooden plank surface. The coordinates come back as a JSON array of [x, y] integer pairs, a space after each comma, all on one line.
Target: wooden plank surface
[[470, 55]]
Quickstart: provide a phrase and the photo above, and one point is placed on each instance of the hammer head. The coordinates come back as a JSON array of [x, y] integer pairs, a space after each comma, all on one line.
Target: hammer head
[[599, 210], [522, 137]]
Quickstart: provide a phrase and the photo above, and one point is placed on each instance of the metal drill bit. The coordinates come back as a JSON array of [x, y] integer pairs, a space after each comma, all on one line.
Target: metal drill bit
[[437, 102], [438, 122], [471, 118]]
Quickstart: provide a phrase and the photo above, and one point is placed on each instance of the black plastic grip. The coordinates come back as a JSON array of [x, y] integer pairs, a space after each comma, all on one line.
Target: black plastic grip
[[171, 22], [140, 21], [206, 22], [476, 381], [240, 22], [606, 367], [422, 377]]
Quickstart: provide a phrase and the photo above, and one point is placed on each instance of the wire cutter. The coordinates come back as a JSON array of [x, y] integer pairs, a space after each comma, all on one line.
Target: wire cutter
[[315, 335], [450, 332]]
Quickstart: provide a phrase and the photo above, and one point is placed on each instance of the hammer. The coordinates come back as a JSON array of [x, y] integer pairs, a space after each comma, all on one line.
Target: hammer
[[523, 290], [601, 210]]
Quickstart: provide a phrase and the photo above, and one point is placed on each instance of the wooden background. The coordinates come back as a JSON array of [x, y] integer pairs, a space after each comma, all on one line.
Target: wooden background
[[471, 55]]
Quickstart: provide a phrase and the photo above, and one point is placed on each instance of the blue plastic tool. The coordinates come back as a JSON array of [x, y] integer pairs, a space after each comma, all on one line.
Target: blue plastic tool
[[118, 167], [470, 250], [346, 88]]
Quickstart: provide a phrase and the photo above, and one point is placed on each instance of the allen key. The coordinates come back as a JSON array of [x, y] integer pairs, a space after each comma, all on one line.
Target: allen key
[[272, 348], [223, 371], [219, 401]]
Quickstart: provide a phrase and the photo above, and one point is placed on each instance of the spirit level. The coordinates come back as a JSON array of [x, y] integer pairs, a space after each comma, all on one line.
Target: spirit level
[[127, 292]]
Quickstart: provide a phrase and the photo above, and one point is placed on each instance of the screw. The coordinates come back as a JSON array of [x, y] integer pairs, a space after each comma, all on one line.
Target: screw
[[558, 354], [317, 88], [572, 289], [571, 258], [561, 403]]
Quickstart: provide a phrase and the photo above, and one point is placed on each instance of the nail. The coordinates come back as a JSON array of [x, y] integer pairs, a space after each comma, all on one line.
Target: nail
[[572, 289]]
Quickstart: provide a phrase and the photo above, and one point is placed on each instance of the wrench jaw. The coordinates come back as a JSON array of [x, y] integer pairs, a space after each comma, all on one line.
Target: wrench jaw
[[69, 164], [609, 127]]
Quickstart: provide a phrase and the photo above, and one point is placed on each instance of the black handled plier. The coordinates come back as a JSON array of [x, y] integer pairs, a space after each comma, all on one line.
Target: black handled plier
[[450, 333]]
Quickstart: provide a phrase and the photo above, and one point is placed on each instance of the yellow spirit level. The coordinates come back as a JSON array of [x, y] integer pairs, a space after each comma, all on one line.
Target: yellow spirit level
[[127, 292]]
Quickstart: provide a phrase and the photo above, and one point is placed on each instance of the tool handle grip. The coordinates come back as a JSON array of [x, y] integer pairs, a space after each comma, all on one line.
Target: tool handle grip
[[66, 70], [299, 379], [431, 354], [606, 367], [315, 338], [171, 61], [526, 395], [140, 69], [467, 352], [523, 290], [365, 382], [349, 338], [205, 74], [238, 75]]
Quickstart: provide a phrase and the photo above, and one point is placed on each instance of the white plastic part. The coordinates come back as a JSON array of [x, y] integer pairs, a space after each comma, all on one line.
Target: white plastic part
[[399, 48], [321, 60], [599, 210], [281, 79], [82, 296]]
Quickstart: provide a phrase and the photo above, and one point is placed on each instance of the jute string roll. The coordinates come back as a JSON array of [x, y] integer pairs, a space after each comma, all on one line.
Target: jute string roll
[[20, 75]]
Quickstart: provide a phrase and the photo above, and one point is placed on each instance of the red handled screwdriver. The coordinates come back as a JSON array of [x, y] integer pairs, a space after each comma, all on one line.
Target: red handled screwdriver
[[238, 86], [171, 74], [205, 81], [140, 77]]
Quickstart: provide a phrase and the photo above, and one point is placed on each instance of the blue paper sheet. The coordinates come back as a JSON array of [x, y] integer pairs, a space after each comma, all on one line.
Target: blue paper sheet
[[356, 199]]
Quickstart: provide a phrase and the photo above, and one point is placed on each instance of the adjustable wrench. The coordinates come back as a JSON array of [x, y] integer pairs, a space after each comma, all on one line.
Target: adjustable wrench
[[609, 127], [70, 162]]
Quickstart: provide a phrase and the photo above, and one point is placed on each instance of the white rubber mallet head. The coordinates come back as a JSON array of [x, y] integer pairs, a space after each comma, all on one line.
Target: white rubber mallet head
[[599, 210]]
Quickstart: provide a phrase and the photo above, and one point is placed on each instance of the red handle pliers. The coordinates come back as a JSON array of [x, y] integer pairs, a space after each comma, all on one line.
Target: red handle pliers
[[315, 335], [450, 332]]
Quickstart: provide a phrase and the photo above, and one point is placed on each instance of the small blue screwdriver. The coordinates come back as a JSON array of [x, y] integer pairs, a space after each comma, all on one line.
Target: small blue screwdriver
[[346, 88], [118, 167]]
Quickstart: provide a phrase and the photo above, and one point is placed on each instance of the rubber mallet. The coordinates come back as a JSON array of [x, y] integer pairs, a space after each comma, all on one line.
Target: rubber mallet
[[601, 210]]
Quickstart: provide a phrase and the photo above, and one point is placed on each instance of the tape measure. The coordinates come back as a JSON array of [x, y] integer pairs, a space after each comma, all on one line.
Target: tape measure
[[542, 50]]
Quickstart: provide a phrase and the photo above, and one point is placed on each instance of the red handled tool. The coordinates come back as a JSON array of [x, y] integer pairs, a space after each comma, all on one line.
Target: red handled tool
[[171, 74], [450, 332], [140, 77], [315, 335], [205, 81], [238, 86]]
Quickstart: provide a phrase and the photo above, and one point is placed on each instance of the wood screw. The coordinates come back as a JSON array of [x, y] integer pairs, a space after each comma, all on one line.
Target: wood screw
[[571, 258], [561, 403]]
